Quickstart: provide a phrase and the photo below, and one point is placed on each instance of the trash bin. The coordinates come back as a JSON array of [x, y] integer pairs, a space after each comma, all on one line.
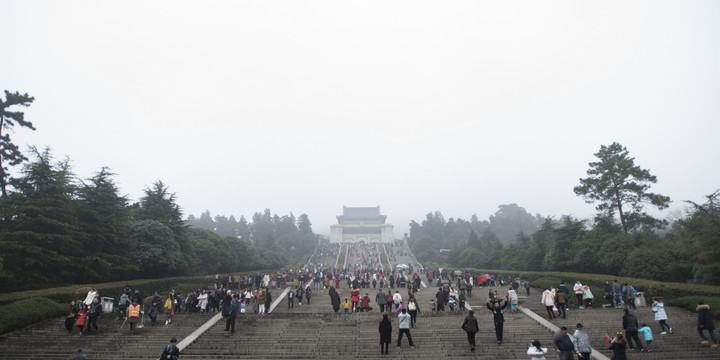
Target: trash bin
[[107, 304], [640, 299]]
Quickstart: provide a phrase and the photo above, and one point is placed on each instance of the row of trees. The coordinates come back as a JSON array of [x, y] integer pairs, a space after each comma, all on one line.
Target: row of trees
[[56, 229], [621, 240]]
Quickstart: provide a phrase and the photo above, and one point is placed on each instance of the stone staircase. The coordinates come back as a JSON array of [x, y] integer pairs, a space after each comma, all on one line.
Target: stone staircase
[[315, 331], [683, 344], [50, 340]]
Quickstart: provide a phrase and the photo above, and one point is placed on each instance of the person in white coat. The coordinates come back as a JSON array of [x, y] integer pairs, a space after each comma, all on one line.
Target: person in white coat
[[536, 352]]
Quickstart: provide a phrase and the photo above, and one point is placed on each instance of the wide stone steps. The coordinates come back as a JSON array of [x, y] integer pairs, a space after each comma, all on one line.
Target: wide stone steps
[[50, 340], [683, 344]]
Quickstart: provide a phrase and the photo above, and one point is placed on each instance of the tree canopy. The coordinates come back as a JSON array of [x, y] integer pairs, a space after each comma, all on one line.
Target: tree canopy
[[618, 185], [10, 154]]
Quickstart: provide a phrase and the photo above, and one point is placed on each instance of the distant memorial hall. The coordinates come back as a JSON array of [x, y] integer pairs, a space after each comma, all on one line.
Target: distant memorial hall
[[358, 224]]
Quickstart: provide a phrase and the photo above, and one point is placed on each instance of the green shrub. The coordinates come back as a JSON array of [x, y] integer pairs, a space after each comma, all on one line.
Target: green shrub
[[651, 288], [29, 311], [690, 303], [112, 289]]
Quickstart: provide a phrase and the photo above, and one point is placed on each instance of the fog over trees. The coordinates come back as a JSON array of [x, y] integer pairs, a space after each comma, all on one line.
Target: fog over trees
[[622, 239]]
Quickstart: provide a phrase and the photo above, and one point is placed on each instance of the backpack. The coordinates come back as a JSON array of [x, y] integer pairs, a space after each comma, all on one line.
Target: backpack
[[411, 306]]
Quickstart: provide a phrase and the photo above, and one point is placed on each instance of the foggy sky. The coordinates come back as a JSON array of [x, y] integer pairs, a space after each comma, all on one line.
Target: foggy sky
[[415, 106]]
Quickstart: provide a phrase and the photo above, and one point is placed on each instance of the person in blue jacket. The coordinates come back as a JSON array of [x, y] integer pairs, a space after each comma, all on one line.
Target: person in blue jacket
[[647, 333], [232, 314]]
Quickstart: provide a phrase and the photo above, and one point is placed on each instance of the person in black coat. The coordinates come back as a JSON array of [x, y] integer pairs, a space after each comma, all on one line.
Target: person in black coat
[[497, 308], [171, 351], [334, 299], [630, 324], [470, 325], [706, 322], [385, 329]]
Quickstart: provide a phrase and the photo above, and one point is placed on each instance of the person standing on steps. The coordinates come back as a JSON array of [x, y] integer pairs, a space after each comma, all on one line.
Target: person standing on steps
[[578, 290], [133, 316], [291, 298], [268, 300], [299, 295], [470, 325], [385, 329], [404, 327], [497, 309], [232, 315]]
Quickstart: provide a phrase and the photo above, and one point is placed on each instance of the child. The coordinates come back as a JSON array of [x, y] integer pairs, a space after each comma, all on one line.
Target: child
[[346, 305], [645, 330], [433, 306]]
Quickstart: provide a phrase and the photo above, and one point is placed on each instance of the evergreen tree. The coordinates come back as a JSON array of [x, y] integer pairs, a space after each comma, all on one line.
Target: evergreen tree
[[10, 154], [618, 185]]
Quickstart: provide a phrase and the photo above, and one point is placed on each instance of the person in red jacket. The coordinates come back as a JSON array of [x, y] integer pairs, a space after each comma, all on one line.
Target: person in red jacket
[[355, 299], [365, 303], [82, 317]]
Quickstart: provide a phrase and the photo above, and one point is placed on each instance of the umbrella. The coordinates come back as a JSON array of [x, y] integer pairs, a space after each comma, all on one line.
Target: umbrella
[[402, 266]]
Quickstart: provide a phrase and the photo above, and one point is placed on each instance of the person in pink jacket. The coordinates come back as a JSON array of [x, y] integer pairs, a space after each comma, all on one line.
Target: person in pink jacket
[[549, 301]]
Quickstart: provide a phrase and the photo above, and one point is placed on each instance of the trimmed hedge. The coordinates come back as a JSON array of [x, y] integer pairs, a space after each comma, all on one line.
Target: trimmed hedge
[[672, 293], [28, 311], [690, 303], [66, 294]]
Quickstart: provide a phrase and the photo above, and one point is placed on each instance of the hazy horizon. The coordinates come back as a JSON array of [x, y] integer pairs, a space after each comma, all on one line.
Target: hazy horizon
[[414, 106]]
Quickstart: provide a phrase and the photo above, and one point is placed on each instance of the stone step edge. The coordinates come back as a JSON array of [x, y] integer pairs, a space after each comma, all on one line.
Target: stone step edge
[[554, 329], [208, 324]]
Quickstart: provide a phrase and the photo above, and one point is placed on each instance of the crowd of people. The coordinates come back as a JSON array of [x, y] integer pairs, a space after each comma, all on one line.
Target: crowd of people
[[394, 291]]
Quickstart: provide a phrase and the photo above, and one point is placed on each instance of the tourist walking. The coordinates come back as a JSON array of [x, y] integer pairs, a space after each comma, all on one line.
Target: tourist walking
[[536, 351], [582, 343], [169, 309], [470, 325], [334, 299], [549, 301], [706, 322], [647, 334], [630, 325], [404, 327], [385, 330], [660, 316], [413, 310], [618, 345], [380, 299], [563, 345]]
